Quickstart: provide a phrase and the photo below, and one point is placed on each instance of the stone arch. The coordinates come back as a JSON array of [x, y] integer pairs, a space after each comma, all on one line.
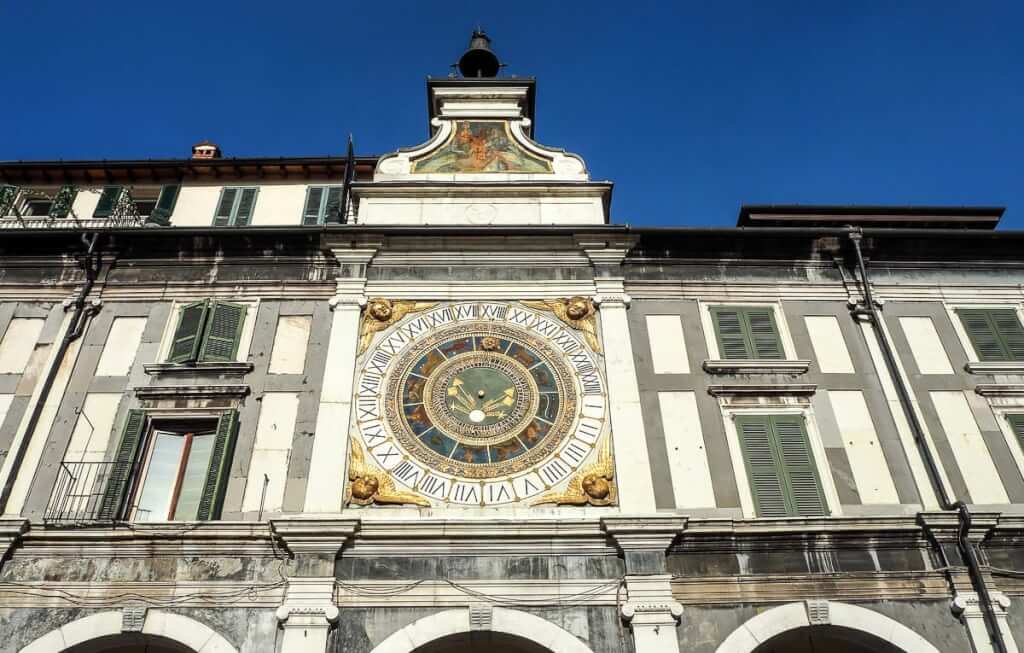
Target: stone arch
[[177, 628], [503, 620], [761, 628]]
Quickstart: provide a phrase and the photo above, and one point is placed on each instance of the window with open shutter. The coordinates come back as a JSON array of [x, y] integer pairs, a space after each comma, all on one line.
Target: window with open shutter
[[780, 466], [188, 333], [332, 205], [122, 470], [219, 469], [223, 331], [746, 332], [108, 200], [995, 334], [161, 213]]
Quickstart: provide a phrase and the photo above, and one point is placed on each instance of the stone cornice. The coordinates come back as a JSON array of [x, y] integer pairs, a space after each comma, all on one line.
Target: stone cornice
[[11, 531], [314, 536], [655, 533], [945, 525], [214, 538]]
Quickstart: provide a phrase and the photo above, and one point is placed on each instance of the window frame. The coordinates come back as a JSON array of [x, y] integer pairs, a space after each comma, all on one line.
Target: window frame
[[965, 339], [747, 504], [321, 216], [208, 420], [233, 217], [1002, 415], [147, 446], [778, 317], [244, 339]]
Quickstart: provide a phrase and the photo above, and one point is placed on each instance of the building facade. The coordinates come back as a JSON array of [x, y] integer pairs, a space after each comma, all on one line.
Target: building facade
[[438, 400]]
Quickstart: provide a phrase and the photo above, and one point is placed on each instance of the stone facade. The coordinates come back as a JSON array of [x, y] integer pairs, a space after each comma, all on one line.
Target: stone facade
[[654, 533]]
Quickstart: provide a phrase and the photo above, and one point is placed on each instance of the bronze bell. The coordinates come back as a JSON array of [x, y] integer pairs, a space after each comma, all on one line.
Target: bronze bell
[[479, 60]]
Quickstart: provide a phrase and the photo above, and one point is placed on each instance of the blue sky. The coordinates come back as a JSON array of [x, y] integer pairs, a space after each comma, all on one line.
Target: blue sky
[[692, 109]]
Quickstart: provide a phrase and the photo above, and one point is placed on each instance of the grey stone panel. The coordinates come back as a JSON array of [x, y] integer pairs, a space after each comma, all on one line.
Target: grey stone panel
[[9, 383], [1015, 619], [9, 426], [480, 567], [24, 567], [712, 426], [54, 314], [7, 310], [478, 273], [960, 380]]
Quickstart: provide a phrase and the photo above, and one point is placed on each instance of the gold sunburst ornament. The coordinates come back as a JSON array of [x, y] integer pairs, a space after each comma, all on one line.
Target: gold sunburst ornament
[[593, 485], [578, 312], [368, 485], [382, 313]]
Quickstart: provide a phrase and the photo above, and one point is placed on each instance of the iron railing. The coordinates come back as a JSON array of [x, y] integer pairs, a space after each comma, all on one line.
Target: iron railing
[[78, 493], [125, 212]]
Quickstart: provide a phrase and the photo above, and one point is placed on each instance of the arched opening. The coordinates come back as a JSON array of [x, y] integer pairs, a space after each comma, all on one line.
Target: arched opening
[[489, 641], [826, 639], [130, 643]]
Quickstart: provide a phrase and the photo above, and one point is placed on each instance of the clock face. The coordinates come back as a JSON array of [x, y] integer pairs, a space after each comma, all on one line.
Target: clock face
[[480, 404]]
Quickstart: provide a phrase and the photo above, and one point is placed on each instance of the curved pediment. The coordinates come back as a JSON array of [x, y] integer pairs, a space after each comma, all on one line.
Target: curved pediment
[[480, 149]]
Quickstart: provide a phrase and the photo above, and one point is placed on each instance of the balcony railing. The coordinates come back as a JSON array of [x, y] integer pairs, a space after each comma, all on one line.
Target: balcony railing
[[123, 214], [78, 494]]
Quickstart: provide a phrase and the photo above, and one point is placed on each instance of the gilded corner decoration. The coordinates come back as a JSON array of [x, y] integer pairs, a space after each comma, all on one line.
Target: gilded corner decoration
[[368, 485], [593, 485], [481, 146], [578, 312], [479, 404], [382, 313]]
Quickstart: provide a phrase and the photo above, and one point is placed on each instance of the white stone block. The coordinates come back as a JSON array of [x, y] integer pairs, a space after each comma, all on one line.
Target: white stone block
[[829, 345], [290, 342], [91, 627], [18, 343], [867, 461], [925, 345], [121, 346], [687, 455], [969, 448], [668, 346]]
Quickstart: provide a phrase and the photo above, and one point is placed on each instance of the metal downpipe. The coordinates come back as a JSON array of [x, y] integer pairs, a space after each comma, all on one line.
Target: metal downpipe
[[967, 550], [73, 332]]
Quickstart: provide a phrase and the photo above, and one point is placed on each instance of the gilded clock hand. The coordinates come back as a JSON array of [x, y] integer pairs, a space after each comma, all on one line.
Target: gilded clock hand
[[507, 399], [464, 400]]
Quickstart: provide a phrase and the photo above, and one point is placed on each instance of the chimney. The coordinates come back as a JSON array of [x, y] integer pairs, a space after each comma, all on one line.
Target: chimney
[[204, 149]]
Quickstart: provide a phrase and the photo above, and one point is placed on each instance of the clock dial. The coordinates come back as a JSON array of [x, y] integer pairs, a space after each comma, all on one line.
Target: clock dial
[[479, 410]]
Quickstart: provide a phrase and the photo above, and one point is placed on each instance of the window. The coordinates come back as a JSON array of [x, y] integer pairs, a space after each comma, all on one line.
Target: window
[[1016, 421], [746, 333], [323, 204], [37, 202], [780, 466], [207, 331], [995, 333], [170, 470], [155, 202], [235, 207]]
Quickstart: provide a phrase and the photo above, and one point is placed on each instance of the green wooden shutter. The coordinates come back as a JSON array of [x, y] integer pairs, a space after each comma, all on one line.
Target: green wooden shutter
[[780, 466], [1017, 424], [220, 467], [223, 331], [165, 204], [120, 478], [1010, 332], [803, 486], [314, 197], [186, 342], [108, 200], [225, 207], [332, 209], [246, 204], [62, 202], [7, 196], [764, 337], [764, 468], [732, 341], [996, 334]]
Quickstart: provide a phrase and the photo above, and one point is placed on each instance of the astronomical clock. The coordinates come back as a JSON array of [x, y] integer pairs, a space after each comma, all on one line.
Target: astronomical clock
[[480, 404]]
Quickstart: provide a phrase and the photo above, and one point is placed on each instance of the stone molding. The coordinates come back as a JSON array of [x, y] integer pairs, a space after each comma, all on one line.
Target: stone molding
[[445, 593], [191, 391], [218, 367], [994, 367], [650, 602], [309, 602], [314, 536], [762, 389], [1001, 389], [11, 532], [756, 366], [968, 604], [943, 526], [643, 533]]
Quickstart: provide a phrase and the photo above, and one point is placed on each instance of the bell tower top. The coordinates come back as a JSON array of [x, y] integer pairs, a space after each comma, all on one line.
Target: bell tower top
[[479, 60]]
